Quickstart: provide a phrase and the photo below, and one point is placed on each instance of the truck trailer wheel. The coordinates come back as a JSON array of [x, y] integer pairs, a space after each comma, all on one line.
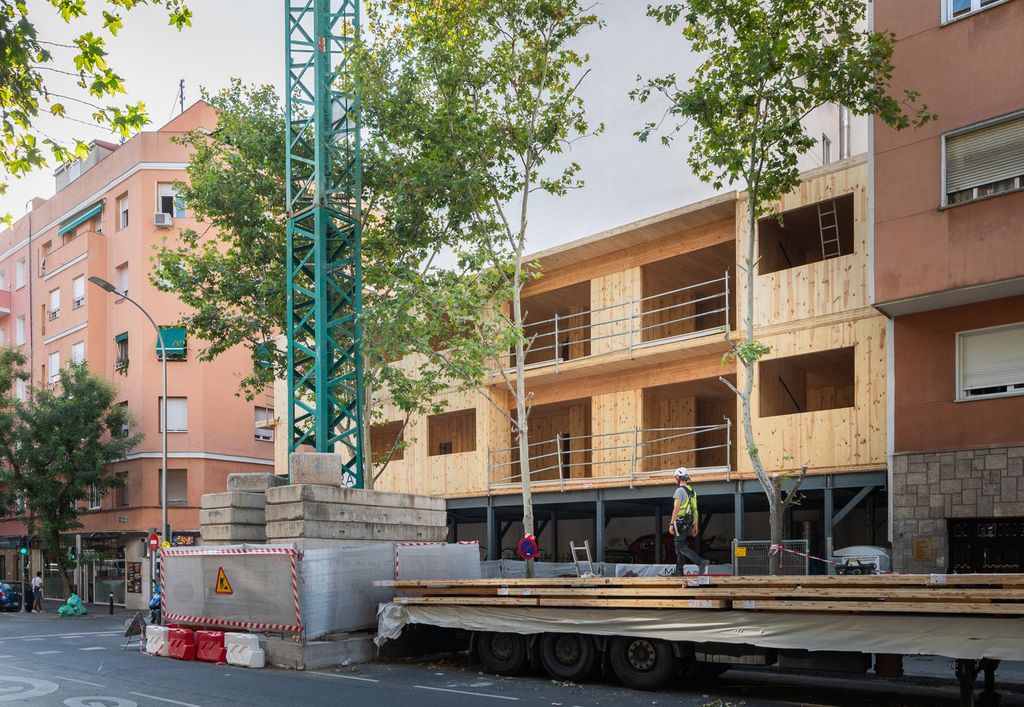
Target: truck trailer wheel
[[569, 656], [643, 663], [503, 653]]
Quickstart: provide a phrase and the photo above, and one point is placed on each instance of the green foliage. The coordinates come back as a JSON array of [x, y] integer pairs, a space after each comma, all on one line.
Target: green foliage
[[747, 351], [23, 89], [232, 272], [766, 65], [55, 447]]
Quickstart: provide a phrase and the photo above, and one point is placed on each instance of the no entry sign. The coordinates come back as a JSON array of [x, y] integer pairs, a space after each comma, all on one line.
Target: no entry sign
[[154, 541]]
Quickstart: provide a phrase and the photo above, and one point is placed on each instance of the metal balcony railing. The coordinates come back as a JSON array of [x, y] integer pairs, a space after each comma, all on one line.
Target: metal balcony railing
[[641, 453], [629, 325]]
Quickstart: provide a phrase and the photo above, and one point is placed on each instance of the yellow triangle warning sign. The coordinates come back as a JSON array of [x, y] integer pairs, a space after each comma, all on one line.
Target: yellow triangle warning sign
[[223, 585]]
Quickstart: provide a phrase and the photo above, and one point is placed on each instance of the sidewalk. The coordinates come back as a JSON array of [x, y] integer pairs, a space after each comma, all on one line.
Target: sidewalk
[[96, 611]]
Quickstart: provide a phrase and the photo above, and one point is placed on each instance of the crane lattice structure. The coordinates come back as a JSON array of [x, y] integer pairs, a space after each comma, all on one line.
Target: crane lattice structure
[[325, 392]]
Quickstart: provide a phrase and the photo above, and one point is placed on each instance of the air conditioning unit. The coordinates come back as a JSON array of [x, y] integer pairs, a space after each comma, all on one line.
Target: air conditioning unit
[[162, 220]]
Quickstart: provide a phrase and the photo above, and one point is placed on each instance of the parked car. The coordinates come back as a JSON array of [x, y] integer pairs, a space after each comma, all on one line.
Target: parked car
[[10, 596]]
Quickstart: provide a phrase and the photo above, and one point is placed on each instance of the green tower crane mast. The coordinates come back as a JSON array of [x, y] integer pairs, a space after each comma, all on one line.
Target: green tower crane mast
[[325, 391]]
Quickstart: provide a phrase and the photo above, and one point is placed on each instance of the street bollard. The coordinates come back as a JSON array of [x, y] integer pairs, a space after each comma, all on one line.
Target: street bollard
[[111, 603]]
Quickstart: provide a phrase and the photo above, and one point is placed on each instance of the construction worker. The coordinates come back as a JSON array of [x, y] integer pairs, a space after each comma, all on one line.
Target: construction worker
[[685, 522]]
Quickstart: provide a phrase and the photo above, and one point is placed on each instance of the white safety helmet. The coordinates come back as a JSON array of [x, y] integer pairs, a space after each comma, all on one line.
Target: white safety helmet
[[682, 474]]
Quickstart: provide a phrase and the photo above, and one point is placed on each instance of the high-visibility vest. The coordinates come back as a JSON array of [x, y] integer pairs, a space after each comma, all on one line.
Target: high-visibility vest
[[688, 508]]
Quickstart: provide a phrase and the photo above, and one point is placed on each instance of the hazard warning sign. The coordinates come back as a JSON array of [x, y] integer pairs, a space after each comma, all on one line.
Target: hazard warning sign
[[223, 585]]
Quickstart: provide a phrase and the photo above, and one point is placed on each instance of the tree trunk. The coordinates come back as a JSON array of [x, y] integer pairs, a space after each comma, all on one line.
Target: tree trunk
[[367, 447], [522, 423], [776, 513]]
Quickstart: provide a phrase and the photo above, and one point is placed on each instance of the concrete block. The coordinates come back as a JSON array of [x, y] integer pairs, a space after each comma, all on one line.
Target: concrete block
[[343, 512], [258, 482], [233, 533], [996, 461], [232, 499], [315, 468], [354, 531], [356, 497], [232, 516], [340, 649]]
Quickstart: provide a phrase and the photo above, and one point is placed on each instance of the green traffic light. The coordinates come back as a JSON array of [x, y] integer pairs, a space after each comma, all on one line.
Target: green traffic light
[[22, 550]]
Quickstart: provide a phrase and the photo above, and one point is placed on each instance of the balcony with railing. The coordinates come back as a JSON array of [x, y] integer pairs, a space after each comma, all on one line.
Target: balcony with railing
[[639, 455], [5, 302], [68, 249], [629, 327]]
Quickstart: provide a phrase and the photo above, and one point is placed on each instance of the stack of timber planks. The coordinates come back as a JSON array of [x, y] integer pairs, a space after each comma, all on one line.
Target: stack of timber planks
[[974, 594]]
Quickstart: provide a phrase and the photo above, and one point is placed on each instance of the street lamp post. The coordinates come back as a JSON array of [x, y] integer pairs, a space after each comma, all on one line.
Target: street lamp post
[[106, 286]]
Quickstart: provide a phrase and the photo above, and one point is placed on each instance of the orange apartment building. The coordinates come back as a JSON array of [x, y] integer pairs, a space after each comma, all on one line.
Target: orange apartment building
[[628, 332], [108, 214], [949, 274]]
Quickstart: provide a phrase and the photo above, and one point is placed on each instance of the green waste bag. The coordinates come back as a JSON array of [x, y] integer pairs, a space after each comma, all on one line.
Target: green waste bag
[[73, 607]]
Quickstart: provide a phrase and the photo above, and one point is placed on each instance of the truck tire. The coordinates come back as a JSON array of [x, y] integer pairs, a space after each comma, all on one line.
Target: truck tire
[[643, 663], [503, 653], [569, 656]]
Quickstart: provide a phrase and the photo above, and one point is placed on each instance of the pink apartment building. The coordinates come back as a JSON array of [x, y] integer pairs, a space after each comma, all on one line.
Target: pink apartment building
[[108, 214]]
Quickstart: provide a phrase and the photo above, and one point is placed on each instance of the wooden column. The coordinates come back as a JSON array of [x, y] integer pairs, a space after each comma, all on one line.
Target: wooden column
[[618, 414], [615, 291]]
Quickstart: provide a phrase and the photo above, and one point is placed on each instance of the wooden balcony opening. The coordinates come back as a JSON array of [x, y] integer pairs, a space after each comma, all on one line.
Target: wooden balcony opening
[[558, 323], [688, 424], [452, 432], [823, 380], [806, 235], [560, 443], [688, 293], [383, 438]]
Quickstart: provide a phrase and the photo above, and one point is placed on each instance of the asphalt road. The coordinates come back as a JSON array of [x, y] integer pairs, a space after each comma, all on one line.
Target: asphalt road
[[45, 660]]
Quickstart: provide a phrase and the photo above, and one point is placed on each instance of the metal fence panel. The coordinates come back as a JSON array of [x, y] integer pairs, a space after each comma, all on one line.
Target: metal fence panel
[[751, 558]]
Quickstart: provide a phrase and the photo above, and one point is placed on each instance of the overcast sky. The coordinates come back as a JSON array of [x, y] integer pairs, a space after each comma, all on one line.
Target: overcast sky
[[625, 180]]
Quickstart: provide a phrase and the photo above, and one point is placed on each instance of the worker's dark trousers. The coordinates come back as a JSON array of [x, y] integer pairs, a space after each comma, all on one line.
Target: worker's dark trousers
[[683, 551]]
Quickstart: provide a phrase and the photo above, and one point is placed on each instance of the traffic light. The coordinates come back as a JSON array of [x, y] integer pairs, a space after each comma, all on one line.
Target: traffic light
[[23, 546]]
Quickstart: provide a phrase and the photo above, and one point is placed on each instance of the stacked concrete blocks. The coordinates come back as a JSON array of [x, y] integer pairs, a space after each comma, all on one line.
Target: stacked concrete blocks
[[237, 515]]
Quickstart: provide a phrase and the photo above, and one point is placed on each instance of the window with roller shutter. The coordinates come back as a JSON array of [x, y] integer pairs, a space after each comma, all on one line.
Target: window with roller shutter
[[990, 362], [984, 161]]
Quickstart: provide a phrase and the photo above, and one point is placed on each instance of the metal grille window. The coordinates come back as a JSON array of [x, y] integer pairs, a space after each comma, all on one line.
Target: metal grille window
[[53, 367], [990, 362], [78, 352], [264, 430], [78, 292], [984, 161], [54, 309], [121, 351]]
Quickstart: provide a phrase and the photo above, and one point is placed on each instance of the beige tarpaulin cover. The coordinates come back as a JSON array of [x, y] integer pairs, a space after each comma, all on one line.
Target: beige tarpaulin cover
[[950, 636]]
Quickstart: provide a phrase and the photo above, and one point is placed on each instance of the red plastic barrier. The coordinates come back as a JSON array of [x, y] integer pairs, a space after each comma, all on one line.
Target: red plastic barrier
[[210, 647], [182, 643]]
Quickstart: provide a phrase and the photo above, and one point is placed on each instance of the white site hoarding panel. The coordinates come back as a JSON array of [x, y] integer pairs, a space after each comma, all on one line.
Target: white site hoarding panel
[[237, 586]]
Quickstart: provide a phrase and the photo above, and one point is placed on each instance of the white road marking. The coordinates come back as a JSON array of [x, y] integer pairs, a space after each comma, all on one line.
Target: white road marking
[[346, 677], [164, 699], [34, 639], [46, 652], [93, 648], [463, 692], [41, 636], [6, 656], [84, 682]]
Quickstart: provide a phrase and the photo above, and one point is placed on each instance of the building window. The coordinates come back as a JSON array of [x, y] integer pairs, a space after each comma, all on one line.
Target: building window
[[78, 352], [956, 9], [984, 161], [21, 390], [78, 292], [53, 366], [19, 274], [989, 362], [823, 380], [177, 487], [452, 432], [53, 311], [122, 212], [264, 424], [121, 351], [169, 201], [125, 427], [826, 149], [3, 279], [3, 336], [122, 278], [177, 414], [121, 492], [95, 499], [809, 234], [19, 330]]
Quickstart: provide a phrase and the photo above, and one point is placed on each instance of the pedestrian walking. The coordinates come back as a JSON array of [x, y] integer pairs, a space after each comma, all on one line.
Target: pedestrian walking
[[685, 522], [37, 592]]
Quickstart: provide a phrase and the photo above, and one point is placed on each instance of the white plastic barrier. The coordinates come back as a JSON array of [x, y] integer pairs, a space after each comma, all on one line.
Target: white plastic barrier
[[156, 640], [244, 649]]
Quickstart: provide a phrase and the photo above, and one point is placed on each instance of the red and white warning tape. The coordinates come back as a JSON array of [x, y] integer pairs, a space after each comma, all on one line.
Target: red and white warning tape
[[775, 549], [175, 552], [251, 625]]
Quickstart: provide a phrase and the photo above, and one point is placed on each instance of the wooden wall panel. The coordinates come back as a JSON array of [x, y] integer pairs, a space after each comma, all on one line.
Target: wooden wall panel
[[621, 292], [618, 415], [850, 437], [662, 411], [828, 287]]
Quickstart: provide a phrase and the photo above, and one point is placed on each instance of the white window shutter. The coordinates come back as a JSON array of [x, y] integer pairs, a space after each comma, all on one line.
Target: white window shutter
[[177, 414], [992, 358], [986, 155]]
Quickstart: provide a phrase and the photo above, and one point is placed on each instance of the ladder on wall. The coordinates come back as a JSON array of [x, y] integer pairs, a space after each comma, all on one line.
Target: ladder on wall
[[585, 564], [828, 224]]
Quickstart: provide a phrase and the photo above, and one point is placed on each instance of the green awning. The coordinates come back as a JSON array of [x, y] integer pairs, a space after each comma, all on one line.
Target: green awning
[[80, 218], [174, 340], [121, 337]]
